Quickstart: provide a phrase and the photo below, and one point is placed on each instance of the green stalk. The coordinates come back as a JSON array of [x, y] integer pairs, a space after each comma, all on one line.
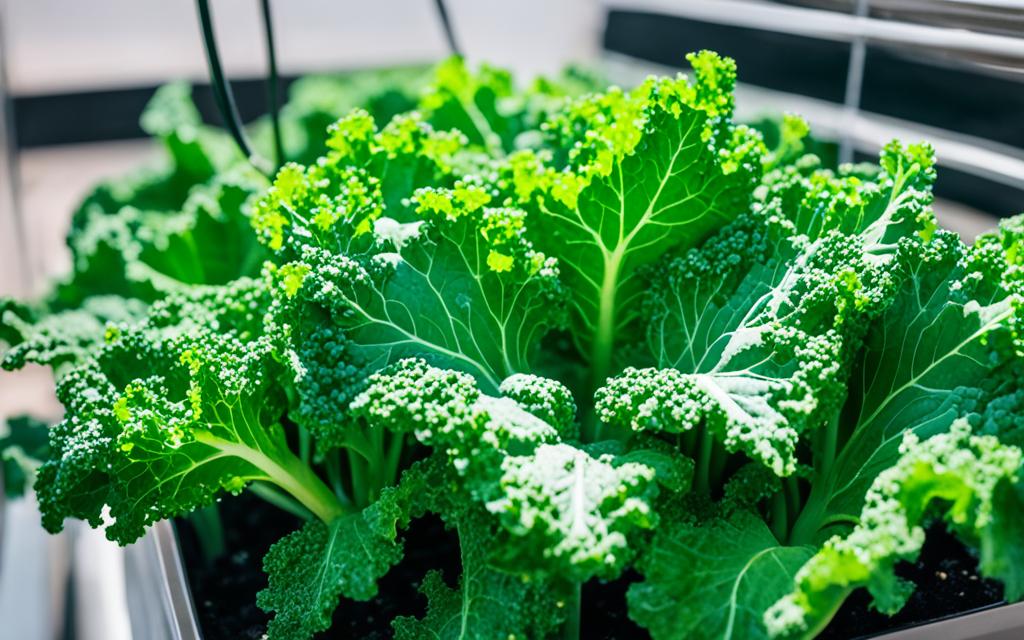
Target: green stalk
[[779, 516], [702, 474], [571, 627], [210, 532], [792, 488], [719, 458], [332, 464], [811, 517], [357, 472], [393, 458], [286, 471], [827, 442], [280, 500], [813, 632], [305, 445]]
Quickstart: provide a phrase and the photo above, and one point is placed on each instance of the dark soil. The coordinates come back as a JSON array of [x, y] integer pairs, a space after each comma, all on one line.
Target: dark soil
[[225, 594]]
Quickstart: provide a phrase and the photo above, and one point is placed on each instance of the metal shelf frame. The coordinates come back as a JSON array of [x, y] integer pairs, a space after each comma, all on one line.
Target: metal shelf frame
[[846, 122], [830, 25]]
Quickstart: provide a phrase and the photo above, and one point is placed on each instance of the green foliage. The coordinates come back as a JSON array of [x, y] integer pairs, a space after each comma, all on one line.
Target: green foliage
[[448, 276], [564, 512], [167, 415], [628, 177], [971, 482], [593, 331], [487, 603], [309, 569], [714, 578], [23, 447]]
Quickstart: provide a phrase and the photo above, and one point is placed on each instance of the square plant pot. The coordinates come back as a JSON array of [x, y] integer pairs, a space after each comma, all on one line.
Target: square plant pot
[[161, 607]]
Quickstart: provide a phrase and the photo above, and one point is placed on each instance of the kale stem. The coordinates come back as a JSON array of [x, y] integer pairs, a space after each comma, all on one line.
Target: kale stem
[[210, 532], [283, 468], [792, 488], [839, 599], [449, 32], [222, 94], [394, 457], [702, 477], [332, 463], [305, 445], [280, 500], [810, 518], [779, 516], [571, 627], [827, 446], [719, 458], [357, 472], [273, 85], [838, 518]]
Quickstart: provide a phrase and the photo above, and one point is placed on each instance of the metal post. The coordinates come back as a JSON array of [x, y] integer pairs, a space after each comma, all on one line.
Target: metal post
[[854, 84], [10, 197]]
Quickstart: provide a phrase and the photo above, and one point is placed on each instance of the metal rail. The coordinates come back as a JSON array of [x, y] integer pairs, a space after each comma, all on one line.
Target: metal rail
[[867, 131], [829, 25]]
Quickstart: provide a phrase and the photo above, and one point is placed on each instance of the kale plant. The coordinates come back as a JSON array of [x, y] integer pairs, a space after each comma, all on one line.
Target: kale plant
[[592, 332]]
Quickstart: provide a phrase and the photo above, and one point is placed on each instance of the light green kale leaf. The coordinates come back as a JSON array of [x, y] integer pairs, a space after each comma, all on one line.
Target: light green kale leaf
[[443, 275], [627, 177], [753, 330], [170, 413], [944, 347], [972, 483], [60, 339]]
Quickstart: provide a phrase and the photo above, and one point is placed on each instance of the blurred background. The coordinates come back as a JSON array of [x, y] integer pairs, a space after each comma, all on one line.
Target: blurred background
[[75, 76]]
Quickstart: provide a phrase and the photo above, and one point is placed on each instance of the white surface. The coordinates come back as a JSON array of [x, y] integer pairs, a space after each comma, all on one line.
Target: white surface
[[65, 45], [99, 577], [33, 575]]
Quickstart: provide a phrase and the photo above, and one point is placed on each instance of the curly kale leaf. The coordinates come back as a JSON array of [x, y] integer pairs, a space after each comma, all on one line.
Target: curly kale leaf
[[170, 413], [64, 338], [316, 102], [311, 569], [444, 276], [631, 176], [183, 221], [943, 348], [563, 511], [971, 482], [145, 253], [194, 153], [23, 447], [753, 330], [486, 106]]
